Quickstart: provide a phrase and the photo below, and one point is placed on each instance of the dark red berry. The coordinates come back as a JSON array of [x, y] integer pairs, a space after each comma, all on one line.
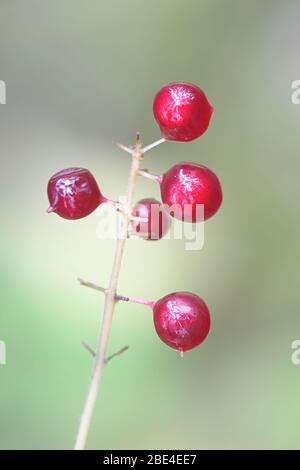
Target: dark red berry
[[73, 193], [181, 320], [182, 111], [187, 185], [158, 221]]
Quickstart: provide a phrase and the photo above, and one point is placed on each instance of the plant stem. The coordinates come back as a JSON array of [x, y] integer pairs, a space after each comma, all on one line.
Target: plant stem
[[107, 359], [110, 301], [123, 147], [150, 176], [154, 144], [124, 298], [91, 285], [148, 303], [88, 348]]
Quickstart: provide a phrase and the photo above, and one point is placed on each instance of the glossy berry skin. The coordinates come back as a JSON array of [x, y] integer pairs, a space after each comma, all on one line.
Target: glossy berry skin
[[181, 320], [182, 111], [187, 184], [158, 220], [73, 193]]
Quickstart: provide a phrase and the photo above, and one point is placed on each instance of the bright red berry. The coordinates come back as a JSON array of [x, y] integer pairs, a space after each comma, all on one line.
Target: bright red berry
[[73, 193], [181, 320], [187, 185], [158, 220], [182, 111]]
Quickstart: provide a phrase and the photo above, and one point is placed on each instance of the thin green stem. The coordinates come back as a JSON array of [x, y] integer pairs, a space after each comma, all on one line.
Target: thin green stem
[[110, 302]]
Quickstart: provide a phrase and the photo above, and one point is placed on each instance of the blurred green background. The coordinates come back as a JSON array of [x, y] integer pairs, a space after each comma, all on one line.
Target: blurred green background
[[81, 75]]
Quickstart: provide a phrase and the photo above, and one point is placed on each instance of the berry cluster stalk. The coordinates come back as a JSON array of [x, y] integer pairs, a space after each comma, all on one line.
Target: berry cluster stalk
[[181, 319], [110, 301]]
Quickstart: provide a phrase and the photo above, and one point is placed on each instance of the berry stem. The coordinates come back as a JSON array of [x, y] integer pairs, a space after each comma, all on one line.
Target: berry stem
[[148, 303], [142, 220], [125, 298], [147, 174], [110, 301], [154, 144], [132, 217], [115, 204]]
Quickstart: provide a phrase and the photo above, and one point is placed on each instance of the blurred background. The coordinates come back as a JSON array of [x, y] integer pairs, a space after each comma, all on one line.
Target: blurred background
[[80, 76]]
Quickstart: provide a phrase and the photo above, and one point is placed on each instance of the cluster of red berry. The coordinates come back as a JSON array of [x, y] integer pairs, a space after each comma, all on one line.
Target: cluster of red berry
[[183, 113]]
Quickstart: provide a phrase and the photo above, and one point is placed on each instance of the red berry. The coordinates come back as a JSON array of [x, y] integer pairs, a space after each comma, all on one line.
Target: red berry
[[181, 320], [182, 111], [186, 185], [158, 221], [73, 193]]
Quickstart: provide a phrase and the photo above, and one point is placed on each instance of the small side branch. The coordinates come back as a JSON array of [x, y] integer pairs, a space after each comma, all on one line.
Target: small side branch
[[124, 298], [144, 149], [92, 285], [121, 351], [108, 358], [124, 148], [88, 348]]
